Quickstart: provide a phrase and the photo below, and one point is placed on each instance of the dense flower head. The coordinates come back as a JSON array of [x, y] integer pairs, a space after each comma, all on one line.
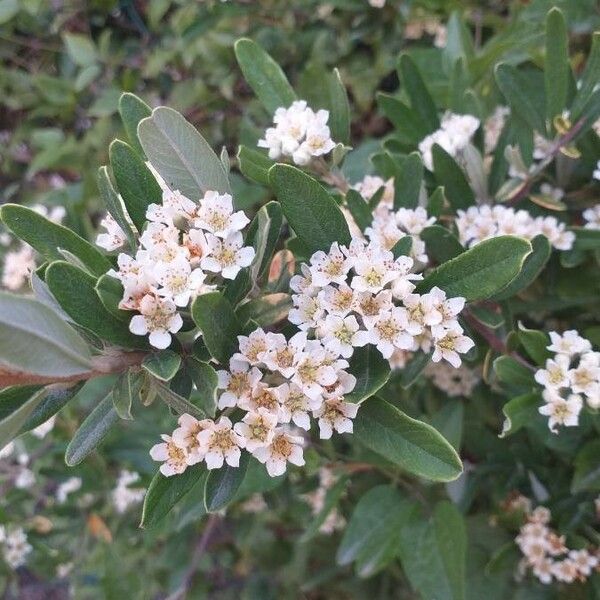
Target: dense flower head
[[299, 133], [479, 223], [15, 546], [185, 249], [124, 494], [569, 379]]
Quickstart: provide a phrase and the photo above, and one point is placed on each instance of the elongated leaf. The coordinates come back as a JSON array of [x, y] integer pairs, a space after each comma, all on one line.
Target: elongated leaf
[[132, 110], [405, 120], [264, 75], [586, 239], [205, 379], [451, 176], [263, 233], [512, 372], [220, 327], [16, 405], [137, 185], [532, 267], [49, 238], [222, 484], [557, 69], [339, 108], [587, 468], [520, 411], [535, 343], [589, 78], [55, 398], [420, 98], [407, 442], [114, 205], [125, 392], [165, 492], [482, 271], [408, 181], [34, 340], [371, 371], [442, 245], [254, 165], [414, 368], [359, 209], [181, 155], [91, 432], [373, 532], [163, 365], [110, 292], [76, 293], [311, 212]]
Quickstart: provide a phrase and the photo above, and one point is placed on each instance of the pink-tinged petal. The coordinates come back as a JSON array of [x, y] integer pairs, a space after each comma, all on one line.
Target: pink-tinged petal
[[176, 323], [301, 419], [160, 339], [210, 264], [214, 460], [230, 272], [276, 467], [186, 420], [159, 452], [344, 425], [239, 220], [138, 325], [296, 456], [168, 470], [233, 457], [223, 379], [325, 430], [261, 454]]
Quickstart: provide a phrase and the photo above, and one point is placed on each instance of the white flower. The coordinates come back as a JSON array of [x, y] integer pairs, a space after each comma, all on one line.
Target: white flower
[[592, 215], [174, 205], [449, 345], [227, 256], [556, 373], [317, 141], [283, 448], [238, 383], [569, 343], [186, 436], [331, 267], [216, 215], [24, 479], [124, 496], [313, 373], [561, 411], [7, 450], [565, 570], [18, 265], [584, 561], [339, 334], [596, 174], [114, 237], [585, 378], [295, 405], [387, 332], [337, 299], [196, 245], [67, 487], [159, 318], [372, 276], [283, 355], [369, 306], [178, 282], [173, 456], [222, 444], [257, 429], [369, 186], [335, 414], [307, 311], [15, 548], [252, 347], [262, 396]]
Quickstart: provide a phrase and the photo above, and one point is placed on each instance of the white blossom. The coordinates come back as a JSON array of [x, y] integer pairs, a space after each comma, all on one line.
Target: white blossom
[[222, 444], [283, 448], [158, 318]]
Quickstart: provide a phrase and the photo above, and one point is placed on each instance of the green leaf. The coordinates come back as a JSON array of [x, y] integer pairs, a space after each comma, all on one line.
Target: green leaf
[[176, 402], [254, 165], [359, 209], [407, 442], [137, 185], [181, 155], [442, 245], [405, 120], [110, 292], [511, 372], [372, 535], [114, 205], [163, 365], [92, 431], [218, 323], [587, 468], [557, 69], [263, 234], [34, 340], [339, 108], [80, 48], [414, 368], [586, 239], [433, 554], [266, 310], [403, 246], [125, 391], [532, 267], [535, 343], [452, 177], [16, 405], [53, 401], [311, 212], [264, 76], [482, 271], [519, 412], [205, 379], [523, 93], [589, 78], [449, 422], [222, 484], [420, 98], [165, 492], [408, 181], [132, 110], [49, 238], [371, 371], [75, 292]]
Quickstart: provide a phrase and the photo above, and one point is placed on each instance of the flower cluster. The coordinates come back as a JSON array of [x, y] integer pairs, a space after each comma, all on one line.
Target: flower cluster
[[182, 245], [334, 521], [592, 217], [299, 133], [480, 223], [571, 376], [416, 29], [453, 136], [454, 382], [358, 295], [66, 488], [493, 126], [15, 547], [547, 555], [124, 496]]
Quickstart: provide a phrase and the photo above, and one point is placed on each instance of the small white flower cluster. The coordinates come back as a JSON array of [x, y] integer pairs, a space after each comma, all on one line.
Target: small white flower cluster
[[347, 297], [493, 126], [479, 223], [547, 555], [453, 136], [299, 133], [455, 382], [25, 477], [570, 377], [596, 174], [334, 521], [416, 29], [277, 382], [71, 485], [592, 217], [124, 496], [15, 547], [182, 245]]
